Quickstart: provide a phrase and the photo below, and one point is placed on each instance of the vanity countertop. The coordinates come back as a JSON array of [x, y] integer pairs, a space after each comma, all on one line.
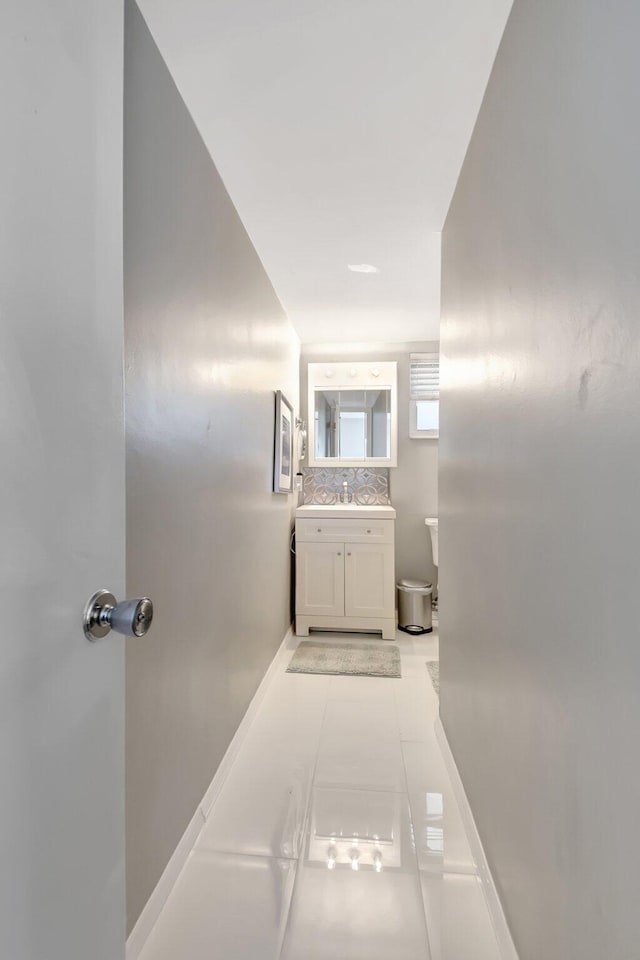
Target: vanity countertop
[[346, 511]]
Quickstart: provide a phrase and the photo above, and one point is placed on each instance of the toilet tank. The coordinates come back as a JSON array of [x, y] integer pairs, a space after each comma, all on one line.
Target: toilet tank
[[432, 524]]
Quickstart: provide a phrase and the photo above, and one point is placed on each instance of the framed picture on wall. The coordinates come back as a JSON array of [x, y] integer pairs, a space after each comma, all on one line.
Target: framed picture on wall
[[283, 461]]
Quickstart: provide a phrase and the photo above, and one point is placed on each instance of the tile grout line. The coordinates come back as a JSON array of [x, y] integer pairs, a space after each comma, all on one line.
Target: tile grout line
[[206, 852], [314, 785], [305, 825], [415, 852]]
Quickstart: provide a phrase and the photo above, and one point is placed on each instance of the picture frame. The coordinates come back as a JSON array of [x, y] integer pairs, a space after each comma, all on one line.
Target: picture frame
[[283, 443]]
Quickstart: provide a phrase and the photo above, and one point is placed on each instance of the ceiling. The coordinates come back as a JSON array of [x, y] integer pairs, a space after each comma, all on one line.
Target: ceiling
[[339, 128]]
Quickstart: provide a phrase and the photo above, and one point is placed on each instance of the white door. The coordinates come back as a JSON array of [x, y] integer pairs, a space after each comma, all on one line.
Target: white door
[[369, 580], [62, 480], [320, 579]]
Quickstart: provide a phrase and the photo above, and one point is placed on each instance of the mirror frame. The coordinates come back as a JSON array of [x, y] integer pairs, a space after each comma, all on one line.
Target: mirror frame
[[369, 375]]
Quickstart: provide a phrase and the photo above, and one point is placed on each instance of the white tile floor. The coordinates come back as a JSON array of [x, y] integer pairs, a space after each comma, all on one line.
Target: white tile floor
[[336, 835]]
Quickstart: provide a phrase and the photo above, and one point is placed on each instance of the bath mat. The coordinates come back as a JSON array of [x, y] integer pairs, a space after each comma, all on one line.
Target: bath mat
[[346, 659], [433, 666]]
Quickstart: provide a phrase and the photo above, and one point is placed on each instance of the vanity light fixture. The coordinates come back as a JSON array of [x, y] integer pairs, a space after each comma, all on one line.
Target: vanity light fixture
[[328, 373], [362, 268], [353, 372], [375, 372]]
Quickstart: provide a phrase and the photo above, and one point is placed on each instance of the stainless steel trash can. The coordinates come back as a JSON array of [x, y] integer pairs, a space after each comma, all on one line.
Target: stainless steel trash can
[[414, 606]]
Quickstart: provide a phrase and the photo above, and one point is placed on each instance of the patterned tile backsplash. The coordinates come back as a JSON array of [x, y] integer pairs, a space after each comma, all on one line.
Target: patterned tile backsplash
[[369, 485]]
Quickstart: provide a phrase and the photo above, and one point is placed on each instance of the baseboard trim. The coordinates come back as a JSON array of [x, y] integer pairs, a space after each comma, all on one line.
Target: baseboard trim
[[153, 908], [281, 658], [496, 912], [386, 625]]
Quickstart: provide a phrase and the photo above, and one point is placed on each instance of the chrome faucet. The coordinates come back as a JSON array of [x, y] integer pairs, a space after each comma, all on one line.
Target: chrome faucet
[[345, 496]]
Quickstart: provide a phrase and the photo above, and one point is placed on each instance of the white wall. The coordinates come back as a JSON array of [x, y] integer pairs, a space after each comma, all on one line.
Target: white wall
[[207, 344], [414, 482], [540, 477]]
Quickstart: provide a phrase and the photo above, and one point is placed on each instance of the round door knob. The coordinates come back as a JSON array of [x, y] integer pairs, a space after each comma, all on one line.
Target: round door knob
[[132, 617], [103, 613], [349, 554], [339, 554], [368, 531], [319, 529]]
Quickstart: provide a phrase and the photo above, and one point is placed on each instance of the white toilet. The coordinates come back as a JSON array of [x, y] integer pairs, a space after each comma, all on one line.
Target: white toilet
[[432, 524]]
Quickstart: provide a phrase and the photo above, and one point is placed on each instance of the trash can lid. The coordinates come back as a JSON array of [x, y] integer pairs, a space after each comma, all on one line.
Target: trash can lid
[[408, 584]]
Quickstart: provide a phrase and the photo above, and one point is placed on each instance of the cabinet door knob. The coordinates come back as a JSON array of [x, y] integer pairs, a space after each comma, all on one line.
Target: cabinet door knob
[[368, 531], [339, 554], [349, 553], [319, 530]]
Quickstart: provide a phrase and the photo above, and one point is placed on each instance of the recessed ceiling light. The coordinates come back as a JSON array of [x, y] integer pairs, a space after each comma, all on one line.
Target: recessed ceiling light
[[362, 268]]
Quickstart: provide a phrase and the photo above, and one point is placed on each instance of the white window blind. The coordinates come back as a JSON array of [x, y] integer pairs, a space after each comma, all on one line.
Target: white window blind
[[424, 376], [424, 393]]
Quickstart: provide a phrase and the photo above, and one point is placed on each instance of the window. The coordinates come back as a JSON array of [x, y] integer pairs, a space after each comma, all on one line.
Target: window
[[424, 395]]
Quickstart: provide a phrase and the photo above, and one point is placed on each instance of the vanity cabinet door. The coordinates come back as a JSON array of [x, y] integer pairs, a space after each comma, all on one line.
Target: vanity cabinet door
[[320, 579], [369, 580]]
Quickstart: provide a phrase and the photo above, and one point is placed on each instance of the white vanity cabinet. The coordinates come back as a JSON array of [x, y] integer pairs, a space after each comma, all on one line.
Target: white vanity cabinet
[[345, 569]]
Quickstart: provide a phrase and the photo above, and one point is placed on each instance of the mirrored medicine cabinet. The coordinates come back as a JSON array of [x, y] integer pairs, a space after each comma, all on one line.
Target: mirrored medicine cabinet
[[353, 414]]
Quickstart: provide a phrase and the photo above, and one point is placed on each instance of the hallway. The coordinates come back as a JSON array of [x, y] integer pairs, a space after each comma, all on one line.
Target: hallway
[[287, 864], [374, 264]]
